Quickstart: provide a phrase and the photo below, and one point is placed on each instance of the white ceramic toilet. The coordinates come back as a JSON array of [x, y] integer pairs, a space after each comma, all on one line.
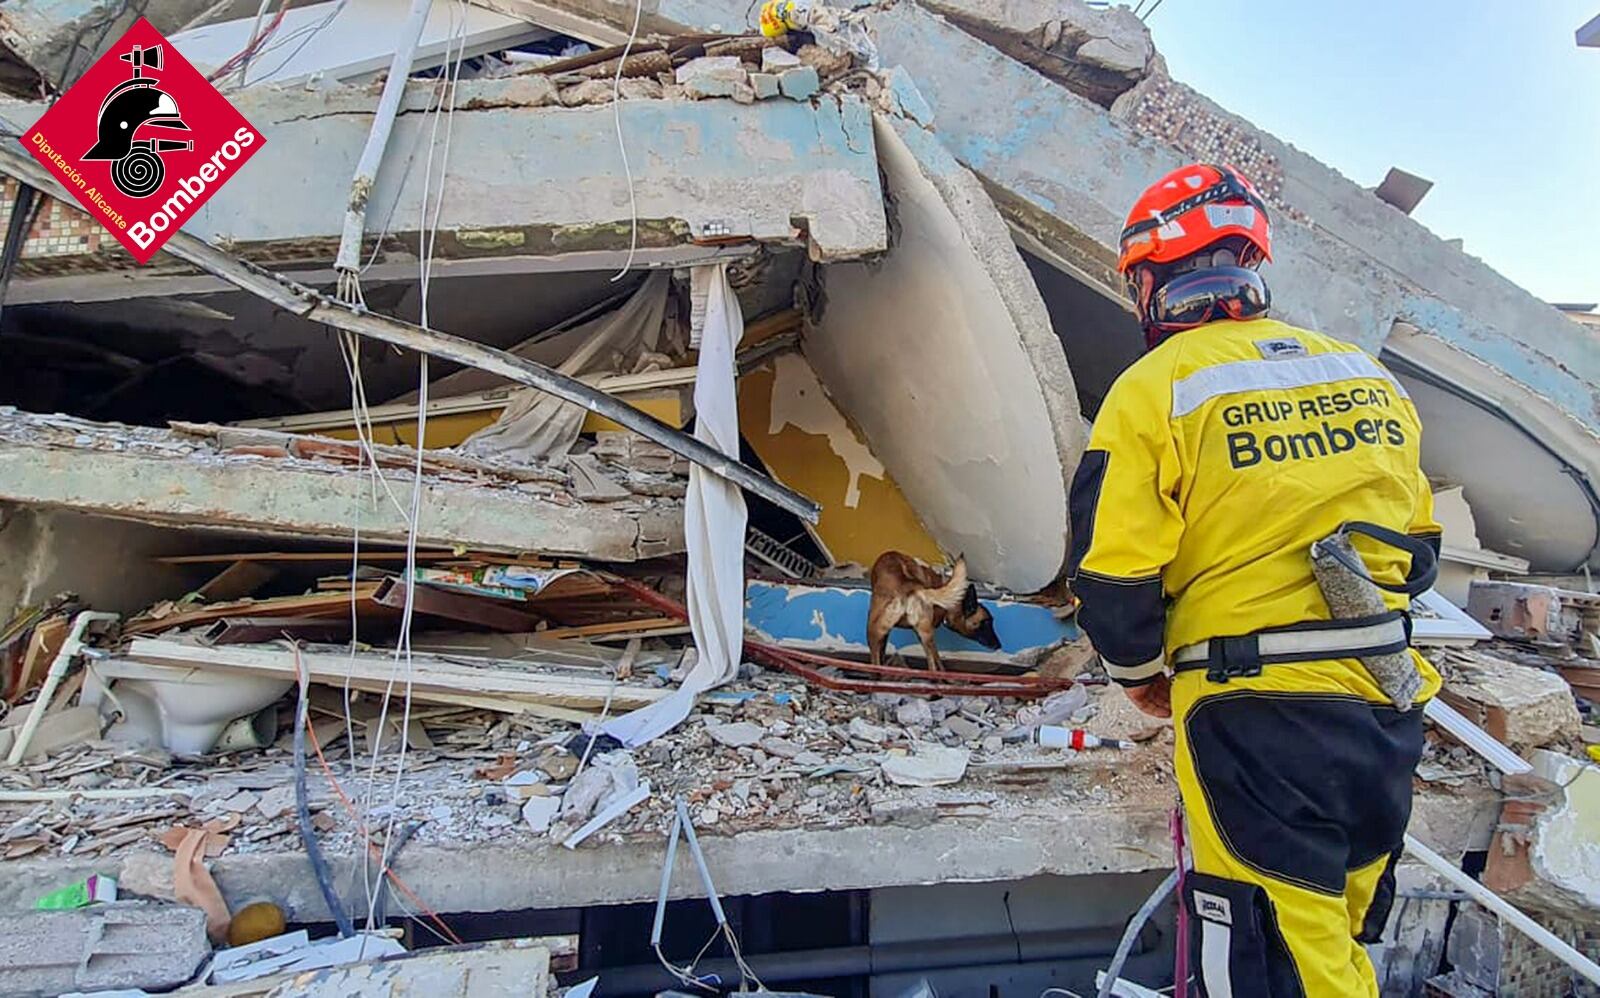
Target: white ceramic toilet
[[184, 710]]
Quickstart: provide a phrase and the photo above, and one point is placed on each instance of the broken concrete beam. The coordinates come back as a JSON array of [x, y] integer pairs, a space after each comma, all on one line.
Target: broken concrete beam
[[1519, 705], [156, 476], [126, 944], [1542, 615], [549, 180], [1543, 858], [1097, 53], [984, 450]]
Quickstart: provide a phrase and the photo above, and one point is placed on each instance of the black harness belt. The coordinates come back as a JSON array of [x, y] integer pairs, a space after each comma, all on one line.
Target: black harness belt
[[1317, 640]]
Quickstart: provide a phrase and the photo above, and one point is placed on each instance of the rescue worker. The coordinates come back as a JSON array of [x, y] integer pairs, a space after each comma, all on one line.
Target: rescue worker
[[1216, 461]]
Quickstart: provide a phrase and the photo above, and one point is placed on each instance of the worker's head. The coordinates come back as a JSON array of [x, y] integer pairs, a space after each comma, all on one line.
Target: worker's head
[[1190, 249]]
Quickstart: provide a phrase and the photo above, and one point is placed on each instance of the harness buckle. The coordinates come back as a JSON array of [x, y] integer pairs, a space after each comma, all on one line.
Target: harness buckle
[[1236, 656]]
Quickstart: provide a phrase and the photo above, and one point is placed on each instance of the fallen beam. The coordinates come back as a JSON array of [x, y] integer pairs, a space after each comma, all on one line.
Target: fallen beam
[[424, 674], [314, 306]]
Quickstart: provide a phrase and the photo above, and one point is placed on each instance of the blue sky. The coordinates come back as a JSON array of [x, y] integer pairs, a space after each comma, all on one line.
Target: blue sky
[[1493, 102]]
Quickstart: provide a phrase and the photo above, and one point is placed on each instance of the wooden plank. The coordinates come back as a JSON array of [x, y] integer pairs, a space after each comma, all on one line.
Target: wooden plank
[[239, 579], [342, 554], [425, 673], [614, 628], [45, 642], [313, 605]]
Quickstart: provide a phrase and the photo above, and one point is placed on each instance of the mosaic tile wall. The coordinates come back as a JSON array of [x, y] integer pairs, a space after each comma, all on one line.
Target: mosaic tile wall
[[1171, 112], [60, 230], [1527, 970]]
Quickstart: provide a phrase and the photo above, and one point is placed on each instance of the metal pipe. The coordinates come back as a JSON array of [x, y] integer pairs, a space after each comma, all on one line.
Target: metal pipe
[[886, 958], [71, 647], [313, 306], [394, 86], [1557, 947]]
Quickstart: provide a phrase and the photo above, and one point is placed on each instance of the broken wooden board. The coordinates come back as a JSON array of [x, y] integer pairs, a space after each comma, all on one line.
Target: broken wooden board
[[313, 605], [511, 681]]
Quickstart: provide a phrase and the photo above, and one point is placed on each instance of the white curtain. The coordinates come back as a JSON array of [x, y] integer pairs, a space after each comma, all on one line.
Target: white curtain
[[714, 522]]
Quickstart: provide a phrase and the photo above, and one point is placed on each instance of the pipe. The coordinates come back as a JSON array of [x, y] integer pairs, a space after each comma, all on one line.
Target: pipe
[[1495, 903], [886, 958], [315, 307], [70, 649], [394, 86]]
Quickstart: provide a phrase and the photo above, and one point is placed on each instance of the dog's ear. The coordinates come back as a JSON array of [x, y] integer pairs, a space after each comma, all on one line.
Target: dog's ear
[[969, 600]]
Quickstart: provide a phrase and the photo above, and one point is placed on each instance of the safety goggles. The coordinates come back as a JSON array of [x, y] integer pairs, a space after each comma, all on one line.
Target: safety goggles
[[1201, 296], [1229, 188]]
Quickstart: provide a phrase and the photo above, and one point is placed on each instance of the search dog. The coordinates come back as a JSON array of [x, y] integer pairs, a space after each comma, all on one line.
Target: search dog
[[908, 593]]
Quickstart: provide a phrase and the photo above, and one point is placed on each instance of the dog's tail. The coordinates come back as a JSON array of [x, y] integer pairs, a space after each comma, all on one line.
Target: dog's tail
[[949, 595]]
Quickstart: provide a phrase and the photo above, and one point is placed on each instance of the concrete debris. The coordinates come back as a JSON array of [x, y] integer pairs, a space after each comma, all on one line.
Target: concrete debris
[[714, 76], [927, 766], [962, 729], [1560, 619], [829, 65], [295, 953], [799, 83], [775, 60], [905, 99], [587, 92], [126, 944], [1546, 853], [1522, 706], [514, 968], [863, 730], [539, 812], [1096, 52], [736, 735], [914, 713], [765, 85]]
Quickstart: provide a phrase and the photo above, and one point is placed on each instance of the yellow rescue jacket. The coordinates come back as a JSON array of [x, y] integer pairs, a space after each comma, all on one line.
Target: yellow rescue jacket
[[1214, 463]]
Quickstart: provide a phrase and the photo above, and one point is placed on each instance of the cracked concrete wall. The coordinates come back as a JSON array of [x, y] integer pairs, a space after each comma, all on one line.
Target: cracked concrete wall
[[107, 562], [1098, 53], [276, 498], [944, 353], [529, 178]]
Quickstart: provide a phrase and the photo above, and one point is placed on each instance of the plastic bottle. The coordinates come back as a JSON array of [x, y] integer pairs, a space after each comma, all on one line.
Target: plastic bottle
[[1076, 739]]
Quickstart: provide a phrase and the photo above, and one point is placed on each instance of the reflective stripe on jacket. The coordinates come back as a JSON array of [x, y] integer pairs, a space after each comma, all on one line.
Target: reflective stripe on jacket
[[1214, 463]]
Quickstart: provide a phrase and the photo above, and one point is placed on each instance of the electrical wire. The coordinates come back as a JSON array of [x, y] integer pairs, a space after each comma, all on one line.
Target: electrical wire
[[350, 808], [427, 237], [622, 147]]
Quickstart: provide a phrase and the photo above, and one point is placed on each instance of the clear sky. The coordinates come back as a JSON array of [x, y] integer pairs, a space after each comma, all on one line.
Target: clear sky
[[1492, 101]]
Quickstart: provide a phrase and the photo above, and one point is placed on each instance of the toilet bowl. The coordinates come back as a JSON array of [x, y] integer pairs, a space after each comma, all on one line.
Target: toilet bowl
[[185, 710]]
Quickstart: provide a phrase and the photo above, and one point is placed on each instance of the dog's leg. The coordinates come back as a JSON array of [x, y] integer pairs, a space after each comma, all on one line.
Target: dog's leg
[[926, 632], [877, 637], [877, 640]]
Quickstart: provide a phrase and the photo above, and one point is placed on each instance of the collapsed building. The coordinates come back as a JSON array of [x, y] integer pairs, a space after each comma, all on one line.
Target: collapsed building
[[914, 207]]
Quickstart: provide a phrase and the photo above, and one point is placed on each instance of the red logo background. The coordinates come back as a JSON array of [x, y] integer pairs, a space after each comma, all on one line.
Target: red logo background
[[71, 128]]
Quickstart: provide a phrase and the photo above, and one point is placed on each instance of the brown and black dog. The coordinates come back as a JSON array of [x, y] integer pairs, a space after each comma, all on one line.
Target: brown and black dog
[[908, 593]]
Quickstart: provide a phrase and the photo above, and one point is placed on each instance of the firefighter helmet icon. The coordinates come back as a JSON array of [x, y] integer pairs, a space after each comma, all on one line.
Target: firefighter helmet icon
[[132, 105]]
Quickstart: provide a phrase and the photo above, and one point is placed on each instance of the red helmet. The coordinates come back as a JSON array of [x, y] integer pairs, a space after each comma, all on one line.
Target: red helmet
[[1174, 282], [1189, 209]]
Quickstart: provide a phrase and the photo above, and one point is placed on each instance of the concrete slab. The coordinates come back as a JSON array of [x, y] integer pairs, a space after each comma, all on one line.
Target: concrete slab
[[1110, 835], [157, 476], [545, 180], [126, 944], [944, 354]]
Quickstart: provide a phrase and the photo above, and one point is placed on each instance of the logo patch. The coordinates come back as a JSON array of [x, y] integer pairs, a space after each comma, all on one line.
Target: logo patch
[[1277, 349], [1213, 908], [142, 140]]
